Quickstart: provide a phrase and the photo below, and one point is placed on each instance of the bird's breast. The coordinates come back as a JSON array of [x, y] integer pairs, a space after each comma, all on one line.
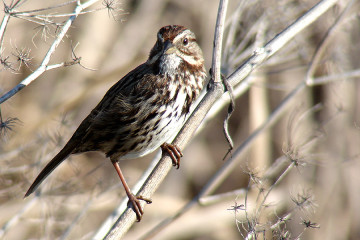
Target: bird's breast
[[166, 120]]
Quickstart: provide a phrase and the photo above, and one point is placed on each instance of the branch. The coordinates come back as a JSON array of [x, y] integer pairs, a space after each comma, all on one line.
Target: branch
[[330, 33], [17, 217], [3, 26], [218, 39], [43, 66]]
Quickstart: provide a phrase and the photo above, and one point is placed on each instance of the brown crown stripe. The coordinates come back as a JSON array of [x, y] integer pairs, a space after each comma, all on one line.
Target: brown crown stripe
[[171, 31]]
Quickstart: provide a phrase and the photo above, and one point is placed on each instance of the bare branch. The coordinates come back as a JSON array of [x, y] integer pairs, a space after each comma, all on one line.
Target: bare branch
[[43, 66], [324, 43], [218, 39]]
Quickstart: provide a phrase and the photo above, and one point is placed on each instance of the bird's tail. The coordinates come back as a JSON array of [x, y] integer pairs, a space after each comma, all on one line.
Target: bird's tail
[[59, 158]]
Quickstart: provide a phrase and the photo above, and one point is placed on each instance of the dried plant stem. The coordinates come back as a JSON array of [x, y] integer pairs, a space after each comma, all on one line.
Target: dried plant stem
[[324, 43], [218, 39], [3, 26], [17, 217], [44, 64], [335, 77], [262, 54]]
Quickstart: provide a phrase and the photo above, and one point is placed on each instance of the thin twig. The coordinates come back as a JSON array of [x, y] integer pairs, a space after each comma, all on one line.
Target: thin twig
[[320, 50], [43, 66], [218, 39], [76, 220], [45, 9], [209, 200], [335, 77], [262, 54], [3, 26], [17, 217], [26, 16], [283, 174]]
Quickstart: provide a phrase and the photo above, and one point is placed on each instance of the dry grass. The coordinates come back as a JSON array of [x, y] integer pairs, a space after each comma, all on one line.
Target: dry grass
[[299, 179]]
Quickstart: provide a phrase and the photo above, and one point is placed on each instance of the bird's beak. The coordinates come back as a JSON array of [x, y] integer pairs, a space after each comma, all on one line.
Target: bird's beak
[[169, 48]]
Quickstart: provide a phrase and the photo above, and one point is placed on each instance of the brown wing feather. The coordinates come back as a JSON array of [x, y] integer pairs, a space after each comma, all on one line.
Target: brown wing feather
[[78, 142]]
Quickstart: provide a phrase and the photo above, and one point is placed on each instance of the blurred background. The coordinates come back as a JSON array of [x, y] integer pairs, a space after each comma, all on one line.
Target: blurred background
[[299, 179]]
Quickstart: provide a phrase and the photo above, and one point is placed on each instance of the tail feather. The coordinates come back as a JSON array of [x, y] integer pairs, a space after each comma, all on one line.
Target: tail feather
[[59, 158]]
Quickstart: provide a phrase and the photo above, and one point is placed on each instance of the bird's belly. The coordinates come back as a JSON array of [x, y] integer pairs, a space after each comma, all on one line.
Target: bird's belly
[[156, 138], [160, 129]]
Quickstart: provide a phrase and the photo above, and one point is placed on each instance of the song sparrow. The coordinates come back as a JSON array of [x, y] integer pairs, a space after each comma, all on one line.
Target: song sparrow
[[143, 110]]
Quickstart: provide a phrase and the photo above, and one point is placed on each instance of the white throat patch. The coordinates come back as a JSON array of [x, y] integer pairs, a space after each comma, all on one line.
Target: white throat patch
[[170, 64]]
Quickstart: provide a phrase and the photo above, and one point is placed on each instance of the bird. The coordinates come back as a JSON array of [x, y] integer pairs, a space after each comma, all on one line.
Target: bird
[[143, 110]]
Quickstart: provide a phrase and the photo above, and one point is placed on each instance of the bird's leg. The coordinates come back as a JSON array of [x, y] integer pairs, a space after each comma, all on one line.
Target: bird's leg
[[174, 152], [134, 200]]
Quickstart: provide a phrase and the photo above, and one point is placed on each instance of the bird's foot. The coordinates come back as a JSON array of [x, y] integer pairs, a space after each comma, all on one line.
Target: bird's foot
[[174, 153]]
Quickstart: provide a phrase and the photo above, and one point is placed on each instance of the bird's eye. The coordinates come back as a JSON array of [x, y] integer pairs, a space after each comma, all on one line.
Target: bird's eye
[[185, 41]]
